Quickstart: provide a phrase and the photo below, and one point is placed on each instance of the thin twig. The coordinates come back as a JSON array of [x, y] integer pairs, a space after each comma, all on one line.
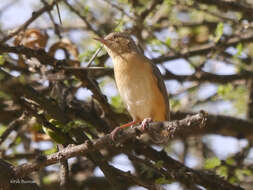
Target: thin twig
[[94, 56], [58, 11], [119, 8], [56, 27], [86, 68], [12, 126], [35, 15], [89, 26]]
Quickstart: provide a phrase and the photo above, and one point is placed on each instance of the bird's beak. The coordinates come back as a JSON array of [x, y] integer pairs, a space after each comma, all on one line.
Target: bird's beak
[[102, 40]]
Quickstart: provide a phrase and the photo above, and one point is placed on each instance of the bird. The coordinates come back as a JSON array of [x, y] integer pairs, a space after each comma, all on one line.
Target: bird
[[139, 81]]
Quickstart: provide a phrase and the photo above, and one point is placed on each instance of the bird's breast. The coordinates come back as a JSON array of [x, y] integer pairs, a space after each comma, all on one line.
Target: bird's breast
[[138, 87]]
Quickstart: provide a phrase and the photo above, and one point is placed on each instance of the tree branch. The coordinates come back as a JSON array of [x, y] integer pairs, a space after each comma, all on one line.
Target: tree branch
[[205, 49], [181, 173], [173, 127], [202, 76], [241, 6], [35, 15], [219, 124]]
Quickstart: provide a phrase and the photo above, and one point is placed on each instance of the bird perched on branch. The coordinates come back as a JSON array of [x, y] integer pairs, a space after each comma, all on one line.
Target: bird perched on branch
[[138, 80]]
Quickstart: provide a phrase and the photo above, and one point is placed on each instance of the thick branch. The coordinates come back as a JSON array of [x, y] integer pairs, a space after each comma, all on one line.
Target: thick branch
[[219, 124], [173, 127]]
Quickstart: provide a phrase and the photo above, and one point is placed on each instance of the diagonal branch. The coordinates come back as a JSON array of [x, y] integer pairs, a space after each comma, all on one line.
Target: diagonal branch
[[178, 169], [173, 127]]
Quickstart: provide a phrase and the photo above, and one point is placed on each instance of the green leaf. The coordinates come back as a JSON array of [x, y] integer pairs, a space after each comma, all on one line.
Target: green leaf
[[2, 129], [22, 79], [168, 42], [233, 180], [18, 140], [218, 31], [162, 180], [223, 90], [86, 10], [242, 172], [222, 171], [117, 103], [169, 3], [50, 151], [47, 180], [230, 161], [2, 76], [119, 25], [2, 60], [247, 172], [239, 49], [237, 95], [212, 163], [159, 164], [175, 104], [4, 95], [55, 122], [155, 41]]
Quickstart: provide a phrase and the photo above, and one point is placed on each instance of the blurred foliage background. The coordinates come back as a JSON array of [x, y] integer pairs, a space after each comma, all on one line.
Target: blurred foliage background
[[203, 48]]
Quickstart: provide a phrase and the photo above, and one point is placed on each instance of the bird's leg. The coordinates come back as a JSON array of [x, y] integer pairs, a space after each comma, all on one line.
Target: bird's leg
[[145, 123], [113, 133]]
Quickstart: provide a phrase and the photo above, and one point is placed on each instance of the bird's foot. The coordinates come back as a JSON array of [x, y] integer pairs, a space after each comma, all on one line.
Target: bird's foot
[[145, 123], [115, 131]]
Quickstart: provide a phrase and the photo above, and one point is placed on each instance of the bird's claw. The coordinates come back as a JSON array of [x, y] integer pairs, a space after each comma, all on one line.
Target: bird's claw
[[114, 132], [145, 123]]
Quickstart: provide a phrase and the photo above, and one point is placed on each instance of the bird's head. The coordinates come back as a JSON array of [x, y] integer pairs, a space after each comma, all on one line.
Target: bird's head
[[118, 43]]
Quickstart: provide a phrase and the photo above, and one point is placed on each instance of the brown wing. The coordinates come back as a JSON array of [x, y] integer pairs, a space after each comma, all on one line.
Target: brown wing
[[161, 86]]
